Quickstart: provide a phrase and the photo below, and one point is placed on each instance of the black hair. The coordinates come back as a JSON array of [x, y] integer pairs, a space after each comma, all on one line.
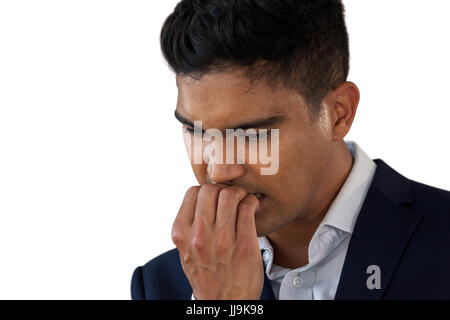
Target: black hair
[[302, 44]]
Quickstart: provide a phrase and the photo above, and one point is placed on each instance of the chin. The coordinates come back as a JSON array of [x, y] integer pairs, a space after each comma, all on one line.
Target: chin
[[262, 227]]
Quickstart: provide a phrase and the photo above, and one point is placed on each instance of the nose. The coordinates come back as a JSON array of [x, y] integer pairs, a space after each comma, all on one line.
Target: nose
[[219, 171], [223, 173]]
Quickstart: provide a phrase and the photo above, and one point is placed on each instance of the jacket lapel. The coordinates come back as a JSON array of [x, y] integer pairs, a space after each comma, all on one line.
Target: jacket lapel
[[381, 233]]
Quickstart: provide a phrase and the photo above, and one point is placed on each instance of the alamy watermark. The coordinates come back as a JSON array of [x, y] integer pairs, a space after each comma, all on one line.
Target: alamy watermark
[[209, 146], [374, 280]]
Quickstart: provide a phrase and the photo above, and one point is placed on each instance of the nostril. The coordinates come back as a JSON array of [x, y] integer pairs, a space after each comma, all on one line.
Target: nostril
[[225, 173]]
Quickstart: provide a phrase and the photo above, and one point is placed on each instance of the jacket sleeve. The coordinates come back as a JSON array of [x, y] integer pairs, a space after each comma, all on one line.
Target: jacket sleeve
[[137, 285]]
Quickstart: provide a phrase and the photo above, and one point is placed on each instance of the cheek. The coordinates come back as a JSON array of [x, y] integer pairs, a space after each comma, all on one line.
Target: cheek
[[297, 162], [200, 172], [188, 144]]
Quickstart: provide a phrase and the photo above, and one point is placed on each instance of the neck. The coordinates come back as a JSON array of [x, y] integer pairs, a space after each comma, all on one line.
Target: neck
[[291, 242]]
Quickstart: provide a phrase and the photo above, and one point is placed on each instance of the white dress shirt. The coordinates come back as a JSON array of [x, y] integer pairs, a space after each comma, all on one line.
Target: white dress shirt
[[318, 280]]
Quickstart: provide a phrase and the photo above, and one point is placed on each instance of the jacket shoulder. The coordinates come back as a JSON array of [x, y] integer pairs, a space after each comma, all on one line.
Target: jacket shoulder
[[422, 272], [431, 199], [413, 194], [161, 278]]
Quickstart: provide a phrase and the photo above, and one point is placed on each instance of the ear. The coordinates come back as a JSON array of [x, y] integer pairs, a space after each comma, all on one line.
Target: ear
[[343, 103]]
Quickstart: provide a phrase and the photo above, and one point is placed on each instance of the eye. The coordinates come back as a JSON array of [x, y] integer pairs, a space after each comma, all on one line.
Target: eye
[[257, 136], [262, 136]]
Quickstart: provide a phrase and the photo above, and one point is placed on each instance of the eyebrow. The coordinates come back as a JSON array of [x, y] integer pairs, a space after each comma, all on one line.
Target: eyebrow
[[259, 123]]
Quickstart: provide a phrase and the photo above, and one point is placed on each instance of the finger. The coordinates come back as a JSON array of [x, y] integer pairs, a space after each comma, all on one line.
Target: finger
[[227, 206], [186, 213], [205, 210], [245, 225], [185, 217]]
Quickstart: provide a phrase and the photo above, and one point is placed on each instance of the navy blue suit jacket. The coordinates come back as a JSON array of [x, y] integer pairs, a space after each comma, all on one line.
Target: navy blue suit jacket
[[403, 227]]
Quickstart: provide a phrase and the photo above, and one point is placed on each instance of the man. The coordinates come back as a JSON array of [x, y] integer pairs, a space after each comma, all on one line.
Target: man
[[330, 223]]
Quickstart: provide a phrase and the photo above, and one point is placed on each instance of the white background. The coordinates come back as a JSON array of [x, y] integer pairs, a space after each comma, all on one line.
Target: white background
[[92, 164]]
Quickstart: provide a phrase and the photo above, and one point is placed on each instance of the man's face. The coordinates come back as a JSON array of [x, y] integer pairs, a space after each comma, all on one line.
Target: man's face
[[224, 101]]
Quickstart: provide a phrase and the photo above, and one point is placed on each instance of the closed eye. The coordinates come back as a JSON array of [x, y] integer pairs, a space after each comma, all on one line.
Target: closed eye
[[190, 130]]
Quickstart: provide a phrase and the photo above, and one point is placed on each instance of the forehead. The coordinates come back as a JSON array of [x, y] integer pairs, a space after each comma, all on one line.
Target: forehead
[[222, 99]]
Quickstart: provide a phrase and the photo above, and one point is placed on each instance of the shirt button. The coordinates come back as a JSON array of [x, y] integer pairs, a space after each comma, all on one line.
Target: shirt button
[[266, 256], [297, 282]]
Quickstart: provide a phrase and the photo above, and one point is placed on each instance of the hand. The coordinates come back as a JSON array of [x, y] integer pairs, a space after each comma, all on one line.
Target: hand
[[216, 237]]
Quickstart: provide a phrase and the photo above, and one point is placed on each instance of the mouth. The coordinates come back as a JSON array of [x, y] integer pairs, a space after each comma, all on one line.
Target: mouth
[[260, 197]]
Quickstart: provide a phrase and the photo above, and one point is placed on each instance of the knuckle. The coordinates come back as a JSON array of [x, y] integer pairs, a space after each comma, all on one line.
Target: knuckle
[[226, 195], [240, 192], [243, 248], [245, 207], [206, 190], [187, 260], [222, 247], [223, 242], [231, 194], [177, 240], [249, 204], [199, 243], [177, 235], [192, 192]]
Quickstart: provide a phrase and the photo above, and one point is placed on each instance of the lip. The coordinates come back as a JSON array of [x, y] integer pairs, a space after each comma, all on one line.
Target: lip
[[261, 202]]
